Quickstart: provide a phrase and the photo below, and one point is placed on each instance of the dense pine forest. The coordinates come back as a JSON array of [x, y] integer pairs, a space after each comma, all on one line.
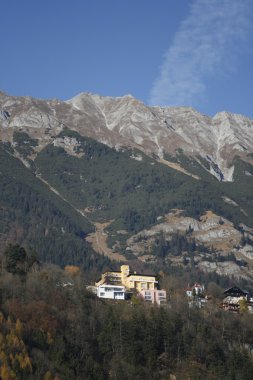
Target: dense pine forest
[[52, 328]]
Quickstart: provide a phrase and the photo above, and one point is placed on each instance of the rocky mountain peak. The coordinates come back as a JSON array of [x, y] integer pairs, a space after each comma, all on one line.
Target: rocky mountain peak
[[126, 121]]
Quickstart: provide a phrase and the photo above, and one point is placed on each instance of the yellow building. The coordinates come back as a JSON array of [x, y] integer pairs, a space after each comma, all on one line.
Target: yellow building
[[129, 280]]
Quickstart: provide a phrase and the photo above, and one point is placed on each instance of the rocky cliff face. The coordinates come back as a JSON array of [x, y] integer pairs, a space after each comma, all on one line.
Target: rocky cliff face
[[211, 230], [125, 121], [226, 255], [166, 134]]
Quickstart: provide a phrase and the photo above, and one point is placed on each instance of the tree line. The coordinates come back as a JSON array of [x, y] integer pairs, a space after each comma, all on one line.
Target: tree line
[[53, 331]]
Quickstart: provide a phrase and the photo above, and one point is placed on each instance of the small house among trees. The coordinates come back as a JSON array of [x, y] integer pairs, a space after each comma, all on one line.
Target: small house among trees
[[235, 300], [195, 290]]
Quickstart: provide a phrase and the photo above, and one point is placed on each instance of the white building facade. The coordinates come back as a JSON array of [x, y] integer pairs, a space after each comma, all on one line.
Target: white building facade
[[114, 292]]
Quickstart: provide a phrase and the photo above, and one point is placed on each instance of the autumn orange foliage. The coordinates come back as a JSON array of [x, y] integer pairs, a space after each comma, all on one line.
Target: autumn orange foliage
[[72, 270], [36, 314]]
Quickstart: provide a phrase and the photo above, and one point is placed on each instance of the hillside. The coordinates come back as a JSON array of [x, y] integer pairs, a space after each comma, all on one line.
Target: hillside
[[50, 331], [33, 215], [69, 167]]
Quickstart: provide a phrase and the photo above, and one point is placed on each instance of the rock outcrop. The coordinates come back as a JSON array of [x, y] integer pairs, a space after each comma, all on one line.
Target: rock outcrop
[[125, 121]]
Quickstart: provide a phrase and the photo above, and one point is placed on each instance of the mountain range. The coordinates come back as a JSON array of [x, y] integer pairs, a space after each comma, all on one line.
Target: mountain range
[[100, 175]]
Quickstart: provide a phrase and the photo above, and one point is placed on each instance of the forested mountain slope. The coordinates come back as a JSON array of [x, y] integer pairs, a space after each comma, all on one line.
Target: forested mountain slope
[[53, 332], [33, 215], [66, 166]]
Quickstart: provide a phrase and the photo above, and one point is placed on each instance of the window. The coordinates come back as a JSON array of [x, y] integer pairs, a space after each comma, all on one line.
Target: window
[[148, 296]]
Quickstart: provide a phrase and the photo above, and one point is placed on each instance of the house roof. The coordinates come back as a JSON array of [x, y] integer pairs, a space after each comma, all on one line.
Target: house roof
[[112, 285], [234, 291], [109, 273], [113, 271], [141, 274], [196, 285]]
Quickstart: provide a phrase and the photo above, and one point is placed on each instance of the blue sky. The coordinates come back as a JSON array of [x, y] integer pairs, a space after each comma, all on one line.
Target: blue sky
[[196, 53]]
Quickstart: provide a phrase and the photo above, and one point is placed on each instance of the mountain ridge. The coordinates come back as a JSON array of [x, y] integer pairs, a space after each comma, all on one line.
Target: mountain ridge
[[126, 121], [117, 160]]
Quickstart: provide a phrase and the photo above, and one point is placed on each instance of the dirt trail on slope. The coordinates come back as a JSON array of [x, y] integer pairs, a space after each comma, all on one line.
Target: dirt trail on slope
[[98, 242], [98, 238], [176, 166]]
